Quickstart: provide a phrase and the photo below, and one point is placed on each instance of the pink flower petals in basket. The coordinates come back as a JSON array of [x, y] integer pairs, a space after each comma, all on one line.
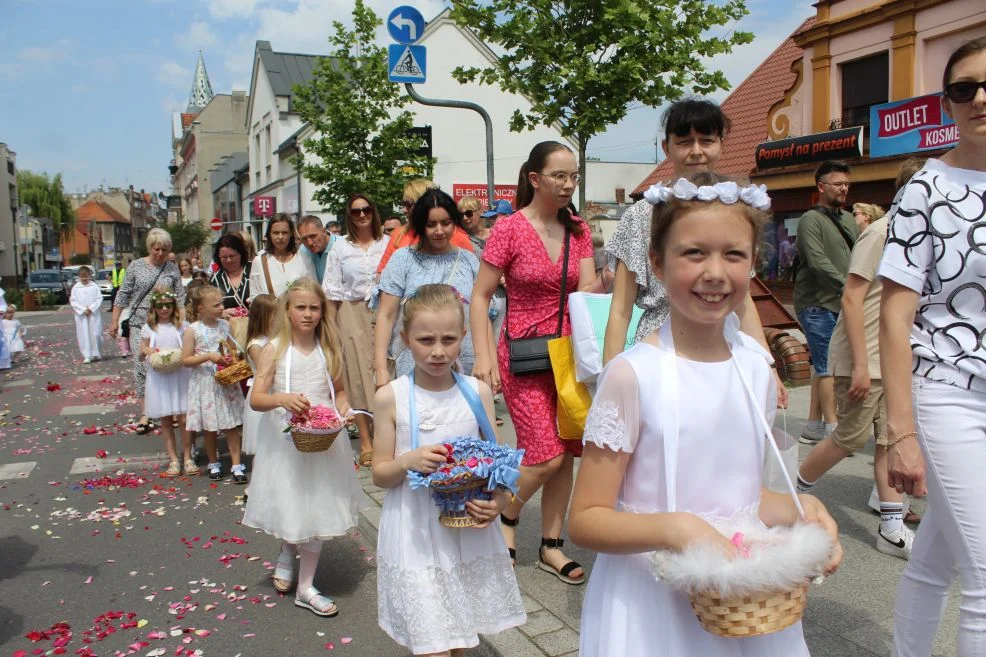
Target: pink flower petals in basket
[[316, 430]]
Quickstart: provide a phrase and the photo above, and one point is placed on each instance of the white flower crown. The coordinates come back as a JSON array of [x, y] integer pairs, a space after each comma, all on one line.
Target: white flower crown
[[724, 192]]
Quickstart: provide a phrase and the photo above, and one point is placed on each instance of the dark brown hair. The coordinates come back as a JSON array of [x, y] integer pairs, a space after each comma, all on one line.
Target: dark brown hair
[[375, 224], [967, 49], [525, 190], [292, 242], [664, 214]]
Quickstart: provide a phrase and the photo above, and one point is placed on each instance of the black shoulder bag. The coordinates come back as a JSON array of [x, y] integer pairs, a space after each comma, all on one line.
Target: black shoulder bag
[[530, 355]]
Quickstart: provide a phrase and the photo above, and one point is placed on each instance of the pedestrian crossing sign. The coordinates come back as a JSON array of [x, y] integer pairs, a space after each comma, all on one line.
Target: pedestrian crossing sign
[[406, 63]]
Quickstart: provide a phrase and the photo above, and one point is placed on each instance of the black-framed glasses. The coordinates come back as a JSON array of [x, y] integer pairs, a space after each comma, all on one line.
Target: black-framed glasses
[[964, 90], [365, 210], [469, 213]]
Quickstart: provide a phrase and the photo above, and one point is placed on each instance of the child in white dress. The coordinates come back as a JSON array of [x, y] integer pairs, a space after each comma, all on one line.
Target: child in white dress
[[437, 587], [302, 498], [263, 312], [661, 461], [166, 393], [211, 407], [86, 301], [13, 331]]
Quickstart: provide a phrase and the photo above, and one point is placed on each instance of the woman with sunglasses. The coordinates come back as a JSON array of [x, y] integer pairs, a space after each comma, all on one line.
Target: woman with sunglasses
[[473, 222], [405, 235], [933, 363], [281, 264], [350, 269]]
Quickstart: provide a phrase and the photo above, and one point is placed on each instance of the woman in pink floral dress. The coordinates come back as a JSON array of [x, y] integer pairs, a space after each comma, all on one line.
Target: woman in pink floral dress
[[527, 249]]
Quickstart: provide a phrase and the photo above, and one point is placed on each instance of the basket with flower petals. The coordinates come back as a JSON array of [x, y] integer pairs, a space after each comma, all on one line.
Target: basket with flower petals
[[165, 361], [316, 430], [473, 469]]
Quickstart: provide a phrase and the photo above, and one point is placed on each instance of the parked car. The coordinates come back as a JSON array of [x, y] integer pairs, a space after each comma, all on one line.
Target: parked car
[[50, 280], [105, 281]]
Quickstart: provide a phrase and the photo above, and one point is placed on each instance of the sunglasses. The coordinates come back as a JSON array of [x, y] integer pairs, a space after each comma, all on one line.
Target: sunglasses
[[469, 213], [165, 304], [965, 91], [366, 209]]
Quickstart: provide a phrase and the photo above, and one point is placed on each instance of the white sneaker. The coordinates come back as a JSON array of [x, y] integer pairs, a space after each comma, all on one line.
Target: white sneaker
[[897, 544], [813, 432], [86, 361]]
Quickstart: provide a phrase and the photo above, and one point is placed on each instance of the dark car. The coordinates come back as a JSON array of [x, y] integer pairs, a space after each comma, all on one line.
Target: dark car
[[50, 280]]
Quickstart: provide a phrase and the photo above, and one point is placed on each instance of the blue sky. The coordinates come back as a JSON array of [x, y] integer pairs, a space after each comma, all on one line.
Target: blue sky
[[87, 87]]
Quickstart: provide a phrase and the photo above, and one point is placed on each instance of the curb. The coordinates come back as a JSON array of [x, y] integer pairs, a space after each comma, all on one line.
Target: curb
[[538, 638]]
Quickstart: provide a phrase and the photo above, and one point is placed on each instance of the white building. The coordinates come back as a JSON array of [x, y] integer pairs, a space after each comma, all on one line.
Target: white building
[[458, 135]]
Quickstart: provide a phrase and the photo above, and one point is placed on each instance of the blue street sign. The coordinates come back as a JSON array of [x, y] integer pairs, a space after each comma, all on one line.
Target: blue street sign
[[406, 63], [405, 24]]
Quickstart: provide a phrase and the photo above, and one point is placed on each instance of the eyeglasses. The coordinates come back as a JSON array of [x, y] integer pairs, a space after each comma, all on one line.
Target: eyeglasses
[[561, 177], [228, 258], [964, 91], [356, 212], [841, 185], [164, 304], [469, 213]]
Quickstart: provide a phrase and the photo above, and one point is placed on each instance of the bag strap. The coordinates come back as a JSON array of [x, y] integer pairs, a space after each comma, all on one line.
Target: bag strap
[[471, 397], [455, 268], [270, 286], [148, 290], [836, 221]]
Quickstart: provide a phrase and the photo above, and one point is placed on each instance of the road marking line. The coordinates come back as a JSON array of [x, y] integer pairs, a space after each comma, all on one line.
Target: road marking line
[[97, 377], [19, 383], [16, 470], [88, 464], [88, 409]]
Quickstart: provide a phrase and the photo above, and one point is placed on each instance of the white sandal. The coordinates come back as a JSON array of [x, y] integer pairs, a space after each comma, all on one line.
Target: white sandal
[[315, 602], [284, 572]]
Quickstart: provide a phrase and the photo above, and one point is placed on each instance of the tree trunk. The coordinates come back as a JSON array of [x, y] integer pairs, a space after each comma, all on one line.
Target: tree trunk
[[582, 144]]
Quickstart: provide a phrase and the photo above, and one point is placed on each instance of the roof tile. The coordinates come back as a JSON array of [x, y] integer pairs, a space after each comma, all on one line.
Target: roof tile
[[99, 212]]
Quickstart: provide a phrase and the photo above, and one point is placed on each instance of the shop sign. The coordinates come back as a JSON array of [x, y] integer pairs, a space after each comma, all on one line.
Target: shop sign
[[910, 126], [834, 145], [264, 206], [461, 190]]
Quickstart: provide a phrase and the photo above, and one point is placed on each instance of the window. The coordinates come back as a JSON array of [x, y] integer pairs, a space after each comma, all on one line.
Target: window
[[865, 82], [268, 152], [10, 167]]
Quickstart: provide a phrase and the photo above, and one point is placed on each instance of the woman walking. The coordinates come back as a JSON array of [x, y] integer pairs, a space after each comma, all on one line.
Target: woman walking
[[143, 275], [934, 369], [543, 252], [233, 276], [349, 271], [272, 272]]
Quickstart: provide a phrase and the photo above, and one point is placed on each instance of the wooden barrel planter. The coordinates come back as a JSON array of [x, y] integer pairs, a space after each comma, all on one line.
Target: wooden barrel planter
[[791, 355]]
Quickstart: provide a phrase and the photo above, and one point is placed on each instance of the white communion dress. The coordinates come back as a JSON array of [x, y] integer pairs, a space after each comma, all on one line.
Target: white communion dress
[[88, 328], [255, 423], [165, 393], [295, 496], [627, 611], [437, 587]]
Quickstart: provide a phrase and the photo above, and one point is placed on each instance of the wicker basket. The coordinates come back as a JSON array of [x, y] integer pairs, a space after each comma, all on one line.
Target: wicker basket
[[238, 370], [309, 442], [467, 489], [165, 361], [751, 615]]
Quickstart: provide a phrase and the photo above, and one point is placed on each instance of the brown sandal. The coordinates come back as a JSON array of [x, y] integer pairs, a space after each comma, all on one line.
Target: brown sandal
[[365, 459]]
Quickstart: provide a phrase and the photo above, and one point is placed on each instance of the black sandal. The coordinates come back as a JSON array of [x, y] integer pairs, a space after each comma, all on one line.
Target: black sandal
[[511, 522], [144, 428], [562, 574]]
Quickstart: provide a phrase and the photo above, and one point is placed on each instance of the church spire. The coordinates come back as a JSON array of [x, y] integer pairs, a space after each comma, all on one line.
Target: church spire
[[201, 89]]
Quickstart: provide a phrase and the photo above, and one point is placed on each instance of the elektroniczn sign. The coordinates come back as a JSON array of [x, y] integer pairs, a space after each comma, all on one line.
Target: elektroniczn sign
[[461, 190], [832, 145], [910, 126]]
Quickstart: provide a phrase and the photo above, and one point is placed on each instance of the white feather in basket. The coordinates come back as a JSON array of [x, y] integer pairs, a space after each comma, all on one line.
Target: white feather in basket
[[780, 558]]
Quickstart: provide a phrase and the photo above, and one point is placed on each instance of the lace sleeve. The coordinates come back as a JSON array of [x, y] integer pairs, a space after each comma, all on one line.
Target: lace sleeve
[[630, 243], [614, 419]]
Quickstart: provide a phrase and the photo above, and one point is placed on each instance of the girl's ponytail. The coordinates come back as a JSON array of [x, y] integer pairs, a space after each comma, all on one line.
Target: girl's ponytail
[[525, 191]]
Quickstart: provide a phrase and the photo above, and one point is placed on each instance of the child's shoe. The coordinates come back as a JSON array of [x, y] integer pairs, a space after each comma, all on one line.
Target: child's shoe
[[239, 474], [215, 471], [315, 602], [191, 470], [174, 470]]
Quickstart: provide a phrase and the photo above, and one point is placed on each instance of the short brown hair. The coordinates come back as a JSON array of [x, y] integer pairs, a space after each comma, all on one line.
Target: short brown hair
[[908, 168]]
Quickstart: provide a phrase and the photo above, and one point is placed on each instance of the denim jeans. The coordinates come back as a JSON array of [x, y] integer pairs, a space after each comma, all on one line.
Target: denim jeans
[[818, 324]]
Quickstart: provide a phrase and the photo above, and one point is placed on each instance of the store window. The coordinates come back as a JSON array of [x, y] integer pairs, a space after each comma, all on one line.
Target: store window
[[865, 82]]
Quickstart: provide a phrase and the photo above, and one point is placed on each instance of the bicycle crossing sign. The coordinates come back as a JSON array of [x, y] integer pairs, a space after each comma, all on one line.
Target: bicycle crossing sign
[[406, 63]]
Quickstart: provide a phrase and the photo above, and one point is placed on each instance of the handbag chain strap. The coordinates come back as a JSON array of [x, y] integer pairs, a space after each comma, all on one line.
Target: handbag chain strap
[[561, 298]]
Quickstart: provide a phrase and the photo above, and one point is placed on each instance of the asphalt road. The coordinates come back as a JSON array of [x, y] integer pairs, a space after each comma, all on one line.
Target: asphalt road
[[132, 563]]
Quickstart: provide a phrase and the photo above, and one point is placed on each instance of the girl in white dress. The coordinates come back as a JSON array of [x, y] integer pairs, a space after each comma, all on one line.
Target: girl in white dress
[[661, 461], [437, 588], [263, 313], [13, 331], [166, 393], [211, 407], [86, 301], [302, 498]]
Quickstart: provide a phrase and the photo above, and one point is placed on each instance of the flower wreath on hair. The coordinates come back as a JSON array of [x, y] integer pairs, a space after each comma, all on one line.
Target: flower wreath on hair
[[163, 295], [727, 192]]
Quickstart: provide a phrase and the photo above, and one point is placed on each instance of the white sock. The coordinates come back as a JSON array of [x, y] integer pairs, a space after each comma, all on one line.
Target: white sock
[[310, 552], [829, 428], [891, 517], [804, 486]]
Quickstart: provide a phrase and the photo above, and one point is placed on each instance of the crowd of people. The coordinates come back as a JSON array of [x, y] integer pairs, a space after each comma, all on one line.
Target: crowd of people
[[399, 325]]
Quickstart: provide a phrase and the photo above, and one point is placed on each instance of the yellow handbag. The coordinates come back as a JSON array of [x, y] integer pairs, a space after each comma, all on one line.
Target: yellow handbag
[[574, 399]]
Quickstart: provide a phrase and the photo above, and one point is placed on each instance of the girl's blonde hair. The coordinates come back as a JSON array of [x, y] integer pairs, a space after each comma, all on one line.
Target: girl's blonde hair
[[432, 298], [157, 294], [416, 188], [325, 332], [263, 317], [196, 297]]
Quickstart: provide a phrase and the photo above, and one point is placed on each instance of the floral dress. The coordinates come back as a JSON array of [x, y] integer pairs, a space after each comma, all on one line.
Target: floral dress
[[533, 287], [211, 407]]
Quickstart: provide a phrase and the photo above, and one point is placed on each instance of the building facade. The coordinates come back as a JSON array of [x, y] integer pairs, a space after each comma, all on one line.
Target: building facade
[[10, 270], [107, 234]]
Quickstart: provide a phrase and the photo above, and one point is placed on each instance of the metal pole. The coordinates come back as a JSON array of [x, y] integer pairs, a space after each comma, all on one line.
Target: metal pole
[[464, 104]]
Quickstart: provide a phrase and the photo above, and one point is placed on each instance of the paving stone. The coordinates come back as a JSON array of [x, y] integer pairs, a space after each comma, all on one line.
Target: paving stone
[[89, 464], [530, 604], [560, 642], [509, 643], [541, 622]]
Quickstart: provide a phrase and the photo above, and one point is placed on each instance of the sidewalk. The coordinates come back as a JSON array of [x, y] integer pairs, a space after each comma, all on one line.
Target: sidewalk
[[850, 615]]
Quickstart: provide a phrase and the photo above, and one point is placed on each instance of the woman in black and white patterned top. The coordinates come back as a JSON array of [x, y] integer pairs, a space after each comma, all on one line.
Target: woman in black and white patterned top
[[143, 275], [933, 362]]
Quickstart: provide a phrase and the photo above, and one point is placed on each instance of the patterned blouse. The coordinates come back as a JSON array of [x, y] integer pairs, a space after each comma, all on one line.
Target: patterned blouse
[[631, 245], [233, 298], [140, 280]]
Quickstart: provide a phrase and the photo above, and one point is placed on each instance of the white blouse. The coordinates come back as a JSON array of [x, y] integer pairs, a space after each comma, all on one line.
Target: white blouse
[[282, 274], [349, 270]]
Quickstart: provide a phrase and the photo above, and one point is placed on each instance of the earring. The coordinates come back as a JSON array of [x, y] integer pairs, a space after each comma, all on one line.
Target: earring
[[753, 272]]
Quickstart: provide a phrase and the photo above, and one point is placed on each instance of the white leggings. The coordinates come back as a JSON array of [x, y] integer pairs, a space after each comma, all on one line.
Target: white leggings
[[951, 540]]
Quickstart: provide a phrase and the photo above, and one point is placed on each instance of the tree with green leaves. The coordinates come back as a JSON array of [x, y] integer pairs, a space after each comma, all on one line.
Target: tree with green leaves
[[362, 142], [187, 235], [46, 198], [582, 63]]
